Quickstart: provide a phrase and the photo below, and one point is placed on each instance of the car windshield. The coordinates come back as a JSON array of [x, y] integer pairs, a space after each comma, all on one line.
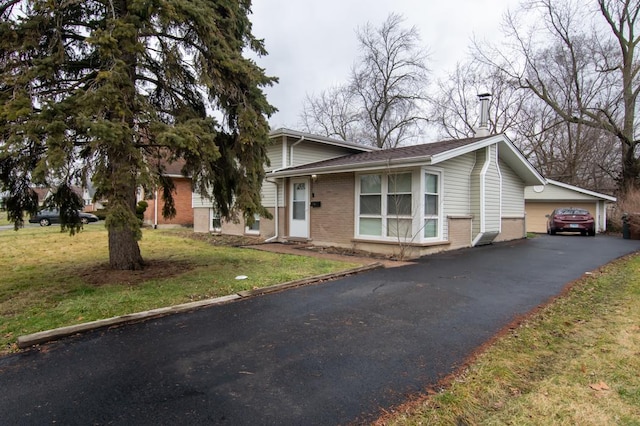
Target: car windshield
[[572, 211]]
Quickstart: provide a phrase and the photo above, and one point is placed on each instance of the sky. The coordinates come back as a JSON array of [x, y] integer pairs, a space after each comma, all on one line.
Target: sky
[[312, 45]]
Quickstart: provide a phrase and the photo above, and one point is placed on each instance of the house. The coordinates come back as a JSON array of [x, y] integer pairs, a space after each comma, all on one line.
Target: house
[[541, 200], [288, 148], [181, 198], [422, 198], [85, 194]]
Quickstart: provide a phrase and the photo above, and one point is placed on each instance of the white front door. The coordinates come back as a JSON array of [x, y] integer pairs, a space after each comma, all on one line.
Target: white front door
[[299, 209]]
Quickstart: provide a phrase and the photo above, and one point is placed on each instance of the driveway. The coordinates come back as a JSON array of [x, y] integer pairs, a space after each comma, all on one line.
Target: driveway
[[332, 353]]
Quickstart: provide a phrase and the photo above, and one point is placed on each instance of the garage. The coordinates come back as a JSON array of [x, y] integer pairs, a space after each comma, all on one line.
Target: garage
[[542, 200]]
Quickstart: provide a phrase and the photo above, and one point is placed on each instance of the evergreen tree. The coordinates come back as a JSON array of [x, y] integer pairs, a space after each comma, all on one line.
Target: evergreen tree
[[110, 91]]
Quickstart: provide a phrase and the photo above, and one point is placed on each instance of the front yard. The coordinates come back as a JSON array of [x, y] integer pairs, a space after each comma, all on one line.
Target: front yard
[[50, 279]]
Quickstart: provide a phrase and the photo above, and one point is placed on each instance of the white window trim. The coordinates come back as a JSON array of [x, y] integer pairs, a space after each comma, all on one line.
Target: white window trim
[[440, 216], [212, 215], [250, 231], [418, 186]]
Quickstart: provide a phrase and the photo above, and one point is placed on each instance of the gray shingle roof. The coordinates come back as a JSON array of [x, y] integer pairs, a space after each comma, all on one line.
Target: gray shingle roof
[[404, 152]]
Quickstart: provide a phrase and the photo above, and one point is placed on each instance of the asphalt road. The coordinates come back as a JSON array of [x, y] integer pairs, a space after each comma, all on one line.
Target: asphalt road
[[331, 353]]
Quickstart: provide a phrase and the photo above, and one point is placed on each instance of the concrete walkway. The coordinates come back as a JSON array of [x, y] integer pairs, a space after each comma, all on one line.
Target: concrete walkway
[[332, 353]]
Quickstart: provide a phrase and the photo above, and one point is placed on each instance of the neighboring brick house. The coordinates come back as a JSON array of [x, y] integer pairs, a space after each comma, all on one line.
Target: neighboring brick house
[[85, 193], [181, 198]]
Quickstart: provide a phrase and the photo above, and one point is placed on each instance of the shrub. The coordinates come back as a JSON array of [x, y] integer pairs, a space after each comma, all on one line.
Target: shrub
[[628, 205], [141, 208]]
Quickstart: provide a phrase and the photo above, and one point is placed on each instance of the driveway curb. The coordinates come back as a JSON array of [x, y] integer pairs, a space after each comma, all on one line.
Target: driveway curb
[[28, 340]]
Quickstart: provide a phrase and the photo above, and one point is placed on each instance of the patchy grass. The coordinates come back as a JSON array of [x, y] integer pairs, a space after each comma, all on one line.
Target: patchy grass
[[576, 361], [50, 279], [3, 219]]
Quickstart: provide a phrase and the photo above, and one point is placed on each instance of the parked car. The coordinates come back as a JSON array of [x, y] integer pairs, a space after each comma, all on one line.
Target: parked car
[[569, 219], [47, 217]]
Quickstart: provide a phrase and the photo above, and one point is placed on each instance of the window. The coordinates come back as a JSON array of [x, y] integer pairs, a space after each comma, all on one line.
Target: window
[[431, 205], [370, 205], [255, 227], [215, 224], [399, 220], [391, 207], [385, 205]]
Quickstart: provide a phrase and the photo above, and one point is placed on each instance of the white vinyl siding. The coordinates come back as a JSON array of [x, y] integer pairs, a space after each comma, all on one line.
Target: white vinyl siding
[[274, 153], [512, 192], [475, 186], [456, 184], [552, 192], [492, 193], [309, 152], [198, 201]]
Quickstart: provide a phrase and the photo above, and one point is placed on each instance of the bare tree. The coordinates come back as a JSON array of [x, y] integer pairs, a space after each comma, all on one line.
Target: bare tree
[[454, 104], [569, 152], [580, 58], [382, 102], [332, 113]]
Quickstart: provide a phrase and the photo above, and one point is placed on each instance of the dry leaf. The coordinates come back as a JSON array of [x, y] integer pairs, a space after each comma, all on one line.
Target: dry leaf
[[601, 386]]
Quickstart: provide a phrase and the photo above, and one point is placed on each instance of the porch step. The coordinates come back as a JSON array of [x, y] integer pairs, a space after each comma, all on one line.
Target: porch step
[[296, 240]]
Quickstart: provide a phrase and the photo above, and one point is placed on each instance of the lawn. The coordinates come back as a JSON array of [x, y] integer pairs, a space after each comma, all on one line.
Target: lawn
[[50, 279], [574, 362]]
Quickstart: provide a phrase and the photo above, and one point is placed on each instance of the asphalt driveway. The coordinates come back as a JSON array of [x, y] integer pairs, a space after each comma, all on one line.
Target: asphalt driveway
[[332, 353]]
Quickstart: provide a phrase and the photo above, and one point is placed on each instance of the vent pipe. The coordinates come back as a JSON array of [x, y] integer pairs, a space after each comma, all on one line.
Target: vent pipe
[[483, 128]]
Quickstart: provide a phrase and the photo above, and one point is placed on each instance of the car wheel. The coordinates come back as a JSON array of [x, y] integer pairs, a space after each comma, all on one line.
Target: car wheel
[[45, 222], [84, 220], [592, 233], [552, 231]]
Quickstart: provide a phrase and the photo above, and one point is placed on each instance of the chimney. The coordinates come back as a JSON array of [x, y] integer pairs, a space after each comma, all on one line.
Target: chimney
[[483, 128]]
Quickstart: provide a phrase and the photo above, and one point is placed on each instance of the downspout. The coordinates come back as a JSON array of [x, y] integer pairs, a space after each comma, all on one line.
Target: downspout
[[284, 166], [483, 177], [291, 150], [155, 209], [268, 240]]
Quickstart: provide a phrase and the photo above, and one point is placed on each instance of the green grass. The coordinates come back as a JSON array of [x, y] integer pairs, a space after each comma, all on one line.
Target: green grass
[[551, 369], [50, 279]]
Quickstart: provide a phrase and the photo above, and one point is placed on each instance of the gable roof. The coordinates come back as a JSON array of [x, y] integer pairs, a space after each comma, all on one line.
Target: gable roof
[[533, 193], [321, 139], [413, 155]]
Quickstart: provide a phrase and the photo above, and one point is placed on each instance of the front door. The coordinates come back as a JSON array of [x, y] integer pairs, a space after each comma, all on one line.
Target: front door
[[299, 209]]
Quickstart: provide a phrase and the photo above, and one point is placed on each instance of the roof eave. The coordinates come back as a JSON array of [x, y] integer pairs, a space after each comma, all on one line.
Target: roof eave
[[582, 190], [360, 167], [513, 157], [322, 139]]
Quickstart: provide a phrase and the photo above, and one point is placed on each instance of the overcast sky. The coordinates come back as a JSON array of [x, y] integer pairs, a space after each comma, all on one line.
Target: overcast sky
[[312, 44]]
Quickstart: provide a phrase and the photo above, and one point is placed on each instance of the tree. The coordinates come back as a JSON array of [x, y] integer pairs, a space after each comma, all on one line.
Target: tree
[[333, 113], [581, 60], [569, 152], [110, 91], [382, 102]]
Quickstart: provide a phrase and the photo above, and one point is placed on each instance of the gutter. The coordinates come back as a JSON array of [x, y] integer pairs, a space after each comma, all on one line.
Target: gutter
[[277, 231], [386, 163]]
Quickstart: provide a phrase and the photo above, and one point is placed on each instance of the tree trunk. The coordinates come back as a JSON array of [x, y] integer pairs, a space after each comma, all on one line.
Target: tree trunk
[[124, 252]]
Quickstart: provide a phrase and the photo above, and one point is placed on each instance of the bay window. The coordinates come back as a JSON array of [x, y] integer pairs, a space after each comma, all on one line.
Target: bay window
[[390, 206]]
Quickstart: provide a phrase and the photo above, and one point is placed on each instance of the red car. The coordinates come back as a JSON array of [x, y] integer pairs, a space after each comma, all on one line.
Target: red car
[[569, 219]]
